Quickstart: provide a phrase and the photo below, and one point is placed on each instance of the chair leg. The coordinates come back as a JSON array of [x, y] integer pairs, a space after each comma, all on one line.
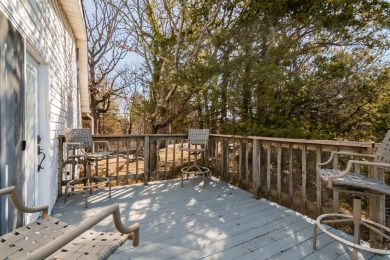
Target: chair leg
[[96, 168], [88, 180], [66, 194], [109, 189], [357, 214], [86, 198]]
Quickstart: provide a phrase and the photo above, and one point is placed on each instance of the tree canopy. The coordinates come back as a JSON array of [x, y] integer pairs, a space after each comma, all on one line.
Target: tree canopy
[[286, 68]]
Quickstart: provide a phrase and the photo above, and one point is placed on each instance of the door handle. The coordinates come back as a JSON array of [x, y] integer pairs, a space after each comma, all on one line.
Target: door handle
[[44, 156]]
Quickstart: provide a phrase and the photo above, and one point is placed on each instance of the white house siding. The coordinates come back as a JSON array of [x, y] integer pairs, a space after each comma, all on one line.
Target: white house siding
[[45, 27]]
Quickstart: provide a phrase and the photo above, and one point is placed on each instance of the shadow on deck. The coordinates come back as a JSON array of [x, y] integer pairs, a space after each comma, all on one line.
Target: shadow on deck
[[219, 222]]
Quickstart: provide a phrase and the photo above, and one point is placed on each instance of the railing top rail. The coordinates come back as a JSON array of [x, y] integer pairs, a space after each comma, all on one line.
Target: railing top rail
[[134, 136], [140, 136], [269, 139], [301, 141]]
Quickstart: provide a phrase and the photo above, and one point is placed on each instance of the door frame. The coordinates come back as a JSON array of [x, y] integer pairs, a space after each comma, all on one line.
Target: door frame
[[42, 184], [31, 131]]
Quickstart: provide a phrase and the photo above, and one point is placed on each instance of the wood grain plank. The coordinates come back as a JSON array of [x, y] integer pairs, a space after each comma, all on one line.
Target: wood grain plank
[[220, 222]]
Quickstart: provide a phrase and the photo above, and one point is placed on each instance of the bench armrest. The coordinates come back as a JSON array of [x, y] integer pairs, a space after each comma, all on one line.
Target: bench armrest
[[11, 192], [60, 241]]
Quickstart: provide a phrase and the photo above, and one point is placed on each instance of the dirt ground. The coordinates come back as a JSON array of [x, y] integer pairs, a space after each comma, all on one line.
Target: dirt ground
[[169, 161]]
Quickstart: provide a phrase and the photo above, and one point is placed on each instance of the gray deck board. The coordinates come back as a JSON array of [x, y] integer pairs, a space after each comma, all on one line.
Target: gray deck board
[[219, 222]]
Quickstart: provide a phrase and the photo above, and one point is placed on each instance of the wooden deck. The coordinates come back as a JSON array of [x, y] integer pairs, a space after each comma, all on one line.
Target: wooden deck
[[219, 222]]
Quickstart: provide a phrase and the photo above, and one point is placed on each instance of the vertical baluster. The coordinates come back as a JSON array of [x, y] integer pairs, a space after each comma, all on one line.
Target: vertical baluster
[[279, 172], [127, 160], [117, 162], [304, 178], [256, 168], [240, 162], [247, 162], [318, 159], [181, 155], [146, 160], [336, 207], [377, 209], [234, 161], [166, 158], [158, 159], [137, 155], [174, 157], [217, 159], [269, 168], [290, 175]]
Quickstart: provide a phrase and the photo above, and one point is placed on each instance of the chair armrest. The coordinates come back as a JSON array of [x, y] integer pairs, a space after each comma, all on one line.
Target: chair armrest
[[71, 146], [59, 242], [11, 192], [76, 145], [349, 167], [344, 153]]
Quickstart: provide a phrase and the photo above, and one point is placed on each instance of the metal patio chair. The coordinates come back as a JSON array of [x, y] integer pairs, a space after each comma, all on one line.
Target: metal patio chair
[[196, 143], [79, 140], [357, 185], [50, 238]]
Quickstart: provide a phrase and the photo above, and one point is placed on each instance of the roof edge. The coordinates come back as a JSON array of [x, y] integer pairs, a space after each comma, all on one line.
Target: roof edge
[[73, 10]]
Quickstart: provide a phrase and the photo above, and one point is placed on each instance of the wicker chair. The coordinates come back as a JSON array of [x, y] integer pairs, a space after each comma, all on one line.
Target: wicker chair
[[357, 185], [50, 238], [196, 143], [80, 139]]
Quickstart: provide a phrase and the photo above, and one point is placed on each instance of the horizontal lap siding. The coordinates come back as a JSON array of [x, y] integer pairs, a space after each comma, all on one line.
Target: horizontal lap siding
[[46, 28]]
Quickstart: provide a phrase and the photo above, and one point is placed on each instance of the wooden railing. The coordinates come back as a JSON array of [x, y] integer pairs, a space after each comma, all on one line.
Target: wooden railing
[[281, 170], [134, 158]]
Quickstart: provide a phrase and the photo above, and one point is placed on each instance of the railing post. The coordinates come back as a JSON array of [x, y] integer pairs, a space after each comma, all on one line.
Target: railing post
[[217, 171], [157, 159], [269, 169], [279, 172], [60, 164], [127, 160], [336, 204], [377, 211], [256, 169], [290, 175], [318, 180], [224, 160], [304, 178], [146, 160], [241, 167], [117, 163]]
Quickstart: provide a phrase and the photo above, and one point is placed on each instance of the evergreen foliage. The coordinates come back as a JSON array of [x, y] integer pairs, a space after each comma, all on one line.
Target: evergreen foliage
[[284, 68]]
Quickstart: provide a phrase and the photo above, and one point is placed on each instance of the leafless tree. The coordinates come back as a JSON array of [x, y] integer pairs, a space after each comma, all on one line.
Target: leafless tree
[[170, 37], [105, 53]]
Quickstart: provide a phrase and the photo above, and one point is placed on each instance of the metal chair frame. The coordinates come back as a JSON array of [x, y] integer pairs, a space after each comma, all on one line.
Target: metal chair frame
[[358, 185], [81, 139], [50, 238], [197, 143]]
